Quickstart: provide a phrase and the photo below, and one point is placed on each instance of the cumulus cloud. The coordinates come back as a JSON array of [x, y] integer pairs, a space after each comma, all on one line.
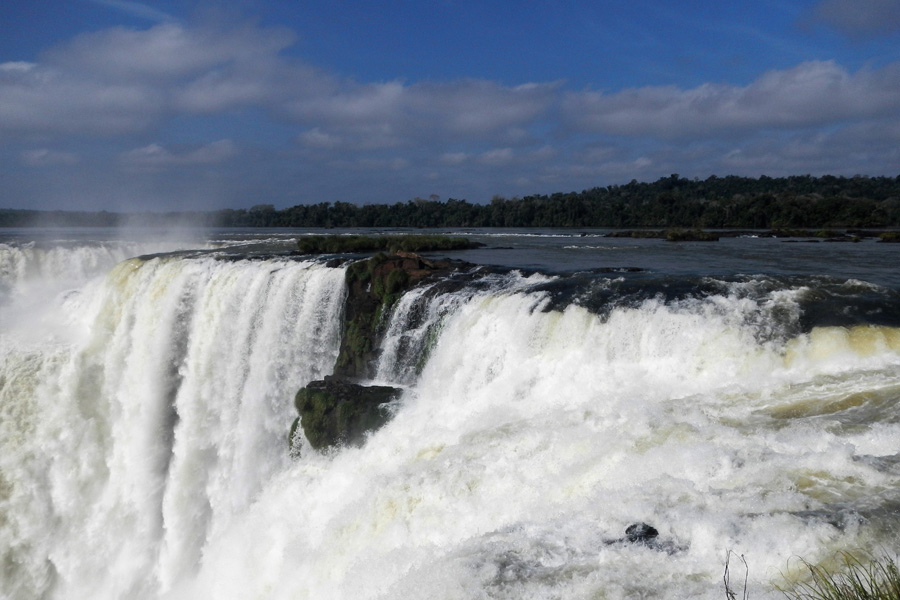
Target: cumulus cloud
[[166, 52], [497, 157], [16, 67], [810, 94], [858, 18], [37, 99], [453, 158], [316, 138], [394, 114], [123, 87], [155, 156], [43, 158], [136, 9], [123, 81]]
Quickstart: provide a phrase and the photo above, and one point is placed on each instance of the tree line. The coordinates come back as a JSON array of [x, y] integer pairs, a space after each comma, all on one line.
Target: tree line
[[673, 201]]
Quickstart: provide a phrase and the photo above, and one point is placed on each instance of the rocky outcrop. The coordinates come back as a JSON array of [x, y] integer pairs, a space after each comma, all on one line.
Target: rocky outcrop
[[671, 235], [334, 412], [691, 235], [373, 287], [341, 410], [644, 534], [349, 244]]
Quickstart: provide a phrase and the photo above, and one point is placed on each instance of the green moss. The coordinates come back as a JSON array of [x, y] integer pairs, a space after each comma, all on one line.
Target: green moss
[[374, 289], [356, 344], [693, 235], [314, 406], [333, 244], [337, 412], [395, 281]]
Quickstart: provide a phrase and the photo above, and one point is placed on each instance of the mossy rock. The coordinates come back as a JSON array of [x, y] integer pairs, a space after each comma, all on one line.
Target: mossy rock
[[349, 244], [338, 410], [693, 235], [892, 237], [336, 413], [374, 286]]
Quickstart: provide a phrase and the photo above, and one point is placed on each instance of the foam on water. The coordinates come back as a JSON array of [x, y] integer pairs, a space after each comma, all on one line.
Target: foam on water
[[531, 433], [165, 420], [532, 439]]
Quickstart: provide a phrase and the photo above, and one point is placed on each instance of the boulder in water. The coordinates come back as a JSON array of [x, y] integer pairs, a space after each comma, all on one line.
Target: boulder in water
[[641, 533], [644, 534], [335, 412]]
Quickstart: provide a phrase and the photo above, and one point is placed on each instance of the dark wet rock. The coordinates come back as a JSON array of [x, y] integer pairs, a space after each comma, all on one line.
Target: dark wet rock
[[373, 287], [641, 533], [644, 534], [340, 410], [335, 412], [670, 235], [848, 238]]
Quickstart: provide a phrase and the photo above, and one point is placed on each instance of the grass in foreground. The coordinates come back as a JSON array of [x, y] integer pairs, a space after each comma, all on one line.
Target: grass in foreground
[[873, 579], [878, 579]]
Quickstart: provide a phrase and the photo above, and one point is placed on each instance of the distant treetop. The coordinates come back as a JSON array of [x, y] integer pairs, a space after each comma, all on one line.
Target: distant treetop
[[673, 201]]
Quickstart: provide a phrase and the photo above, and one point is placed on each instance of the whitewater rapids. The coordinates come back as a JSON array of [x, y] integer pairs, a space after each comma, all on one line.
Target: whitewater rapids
[[145, 405]]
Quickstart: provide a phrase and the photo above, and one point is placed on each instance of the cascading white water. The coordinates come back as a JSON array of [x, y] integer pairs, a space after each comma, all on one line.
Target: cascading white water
[[128, 447], [144, 449], [532, 439]]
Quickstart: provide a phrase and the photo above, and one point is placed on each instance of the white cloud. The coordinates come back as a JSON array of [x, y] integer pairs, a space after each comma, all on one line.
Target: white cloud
[[166, 52], [155, 156], [44, 158], [316, 138], [496, 157], [453, 158], [381, 164], [17, 67], [121, 81], [136, 9], [810, 94], [44, 100], [393, 114], [135, 85]]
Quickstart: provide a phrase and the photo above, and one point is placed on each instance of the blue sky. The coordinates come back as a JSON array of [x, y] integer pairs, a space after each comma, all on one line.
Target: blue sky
[[123, 105]]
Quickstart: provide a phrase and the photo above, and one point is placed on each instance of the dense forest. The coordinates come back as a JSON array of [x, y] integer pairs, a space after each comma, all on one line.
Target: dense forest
[[716, 202]]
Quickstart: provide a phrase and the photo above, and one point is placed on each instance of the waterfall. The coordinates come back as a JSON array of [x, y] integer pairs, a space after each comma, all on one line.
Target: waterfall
[[127, 446]]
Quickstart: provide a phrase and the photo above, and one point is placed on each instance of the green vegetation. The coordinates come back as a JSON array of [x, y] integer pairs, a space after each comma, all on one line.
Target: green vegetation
[[694, 235], [714, 203], [673, 201], [877, 579], [333, 244], [375, 285], [337, 412]]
